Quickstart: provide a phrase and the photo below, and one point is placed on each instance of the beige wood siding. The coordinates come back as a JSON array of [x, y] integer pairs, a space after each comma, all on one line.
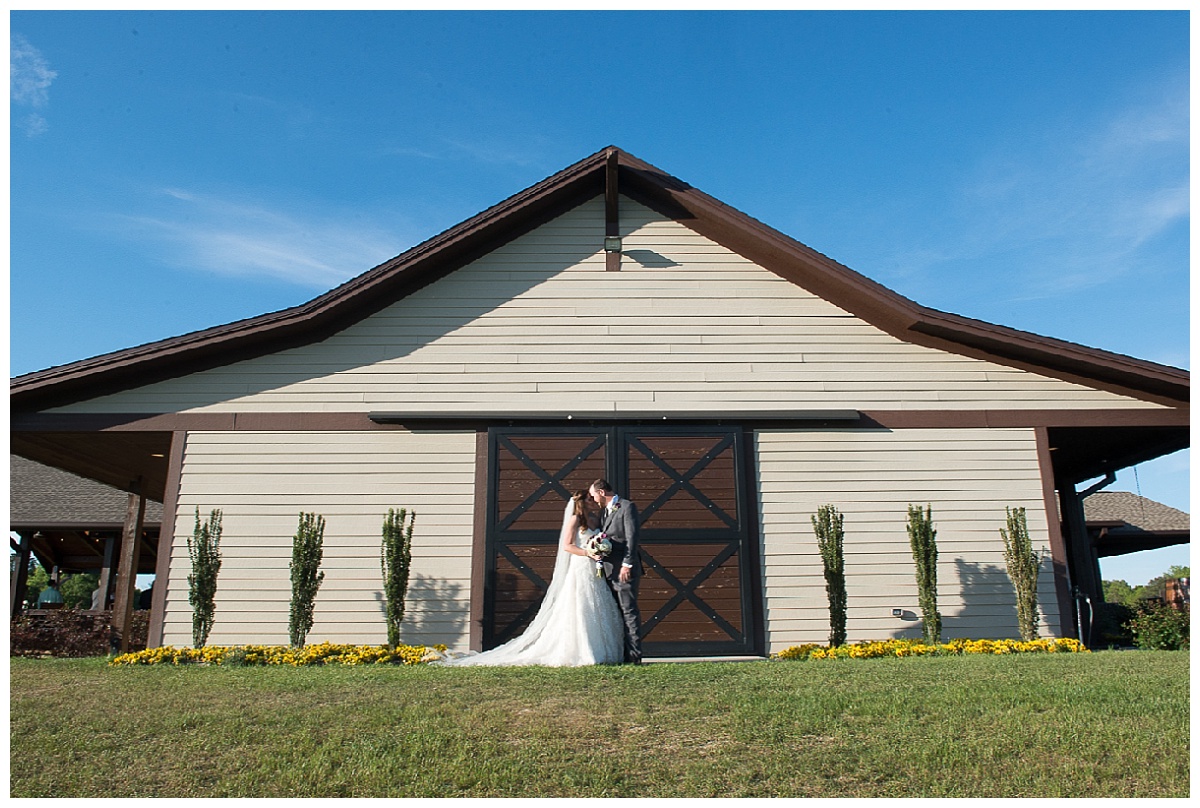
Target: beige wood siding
[[539, 326], [263, 480], [968, 476]]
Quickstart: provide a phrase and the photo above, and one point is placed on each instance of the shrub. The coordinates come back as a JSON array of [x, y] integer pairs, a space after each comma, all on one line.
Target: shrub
[[1159, 627], [395, 559], [923, 539], [204, 550], [307, 549], [1022, 563], [827, 524], [71, 633]]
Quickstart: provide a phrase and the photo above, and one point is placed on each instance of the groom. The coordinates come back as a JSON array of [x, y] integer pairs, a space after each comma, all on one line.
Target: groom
[[619, 521]]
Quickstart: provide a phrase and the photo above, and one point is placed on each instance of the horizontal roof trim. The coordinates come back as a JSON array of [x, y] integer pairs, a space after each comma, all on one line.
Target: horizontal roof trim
[[452, 249], [608, 415]]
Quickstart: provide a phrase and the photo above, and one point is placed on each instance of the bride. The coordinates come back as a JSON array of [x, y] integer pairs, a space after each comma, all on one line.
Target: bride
[[578, 623]]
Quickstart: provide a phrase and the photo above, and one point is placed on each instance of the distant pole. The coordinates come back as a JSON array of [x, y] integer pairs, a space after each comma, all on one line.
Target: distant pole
[[20, 574]]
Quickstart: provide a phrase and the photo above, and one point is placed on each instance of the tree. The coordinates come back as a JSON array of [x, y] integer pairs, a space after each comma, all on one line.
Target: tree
[[1023, 564], [307, 549], [396, 559], [827, 524], [77, 590], [204, 550], [37, 580], [923, 540], [1120, 592]]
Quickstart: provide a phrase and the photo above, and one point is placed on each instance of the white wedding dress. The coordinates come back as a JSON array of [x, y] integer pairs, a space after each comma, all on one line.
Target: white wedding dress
[[579, 622]]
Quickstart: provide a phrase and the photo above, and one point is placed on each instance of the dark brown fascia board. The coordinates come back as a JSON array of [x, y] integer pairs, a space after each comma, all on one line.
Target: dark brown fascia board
[[893, 312], [475, 237]]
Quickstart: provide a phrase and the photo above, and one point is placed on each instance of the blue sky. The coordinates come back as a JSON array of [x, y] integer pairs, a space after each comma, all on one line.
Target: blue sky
[[172, 171]]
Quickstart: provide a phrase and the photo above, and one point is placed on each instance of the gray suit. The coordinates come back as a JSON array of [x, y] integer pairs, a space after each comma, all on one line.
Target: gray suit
[[621, 526]]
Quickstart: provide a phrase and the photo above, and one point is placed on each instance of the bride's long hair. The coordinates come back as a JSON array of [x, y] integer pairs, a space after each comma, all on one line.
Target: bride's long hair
[[580, 500]]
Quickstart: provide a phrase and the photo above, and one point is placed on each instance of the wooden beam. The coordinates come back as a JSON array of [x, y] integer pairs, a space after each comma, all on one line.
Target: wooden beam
[[166, 540], [612, 220], [20, 575], [1058, 546], [135, 517], [106, 569]]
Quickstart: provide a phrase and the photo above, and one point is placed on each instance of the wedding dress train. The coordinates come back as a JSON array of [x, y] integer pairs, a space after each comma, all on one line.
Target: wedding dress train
[[578, 623]]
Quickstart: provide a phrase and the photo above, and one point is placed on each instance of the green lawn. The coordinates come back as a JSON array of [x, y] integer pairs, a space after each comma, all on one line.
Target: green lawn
[[1109, 724]]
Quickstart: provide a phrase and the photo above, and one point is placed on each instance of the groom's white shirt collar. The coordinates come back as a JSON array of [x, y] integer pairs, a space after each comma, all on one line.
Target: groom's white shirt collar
[[612, 503]]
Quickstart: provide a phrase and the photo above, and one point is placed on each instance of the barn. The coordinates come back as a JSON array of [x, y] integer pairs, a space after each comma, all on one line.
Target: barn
[[610, 321]]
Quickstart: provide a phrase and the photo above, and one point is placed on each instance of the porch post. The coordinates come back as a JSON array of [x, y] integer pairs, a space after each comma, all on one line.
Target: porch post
[[131, 546], [1082, 558], [106, 571], [20, 575]]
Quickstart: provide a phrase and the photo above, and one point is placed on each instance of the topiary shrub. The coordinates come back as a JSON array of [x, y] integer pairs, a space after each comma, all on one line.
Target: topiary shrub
[[396, 559], [827, 524], [307, 549], [204, 550], [923, 540], [1023, 564]]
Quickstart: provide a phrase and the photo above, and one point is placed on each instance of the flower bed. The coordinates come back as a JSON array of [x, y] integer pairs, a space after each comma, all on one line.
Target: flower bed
[[907, 648], [325, 653]]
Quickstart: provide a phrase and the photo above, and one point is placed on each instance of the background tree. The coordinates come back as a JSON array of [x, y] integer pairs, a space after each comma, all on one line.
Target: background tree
[[77, 590], [396, 559], [204, 550], [923, 539], [1120, 592], [37, 580], [1023, 564], [307, 549], [828, 525]]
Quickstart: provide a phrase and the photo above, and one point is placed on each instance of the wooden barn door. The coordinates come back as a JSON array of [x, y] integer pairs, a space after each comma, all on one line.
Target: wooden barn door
[[690, 488]]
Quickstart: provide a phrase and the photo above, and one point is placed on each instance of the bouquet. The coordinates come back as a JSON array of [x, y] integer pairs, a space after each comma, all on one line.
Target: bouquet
[[599, 545]]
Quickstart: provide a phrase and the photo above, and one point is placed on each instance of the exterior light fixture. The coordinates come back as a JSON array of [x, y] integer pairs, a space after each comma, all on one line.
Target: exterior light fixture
[[612, 244], [897, 612]]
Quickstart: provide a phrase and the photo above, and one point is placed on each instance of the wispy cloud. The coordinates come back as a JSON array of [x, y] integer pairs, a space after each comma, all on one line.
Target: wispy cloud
[[494, 153], [250, 239], [1071, 211], [30, 78]]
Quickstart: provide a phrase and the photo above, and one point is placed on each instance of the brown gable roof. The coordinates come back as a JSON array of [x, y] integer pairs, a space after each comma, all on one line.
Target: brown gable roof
[[433, 259], [1124, 509], [44, 497]]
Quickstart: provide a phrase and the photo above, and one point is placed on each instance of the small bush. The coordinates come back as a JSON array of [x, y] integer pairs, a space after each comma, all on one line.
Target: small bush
[[1159, 627], [71, 633]]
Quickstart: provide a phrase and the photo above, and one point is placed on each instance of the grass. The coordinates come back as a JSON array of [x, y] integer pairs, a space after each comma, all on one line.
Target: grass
[[1110, 724]]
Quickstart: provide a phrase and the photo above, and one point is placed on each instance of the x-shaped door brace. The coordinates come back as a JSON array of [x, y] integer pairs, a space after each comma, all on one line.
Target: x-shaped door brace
[[687, 591], [684, 481], [538, 581], [551, 482]]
